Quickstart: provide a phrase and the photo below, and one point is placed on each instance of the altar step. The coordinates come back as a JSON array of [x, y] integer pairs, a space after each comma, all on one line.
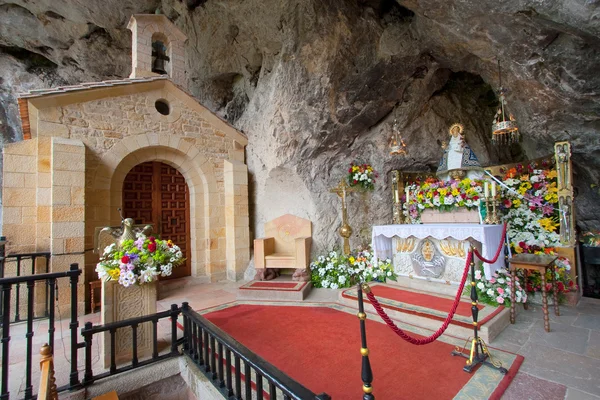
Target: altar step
[[428, 309]]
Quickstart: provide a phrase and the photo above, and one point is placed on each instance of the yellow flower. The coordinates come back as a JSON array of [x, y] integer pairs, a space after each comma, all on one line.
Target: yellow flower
[[466, 181], [526, 185], [551, 174], [518, 249], [525, 178], [551, 198], [522, 190], [548, 224], [354, 168], [351, 259], [455, 192], [114, 273], [516, 203], [442, 191]]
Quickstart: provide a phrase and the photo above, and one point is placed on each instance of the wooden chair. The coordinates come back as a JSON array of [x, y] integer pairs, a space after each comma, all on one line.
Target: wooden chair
[[286, 245], [95, 301]]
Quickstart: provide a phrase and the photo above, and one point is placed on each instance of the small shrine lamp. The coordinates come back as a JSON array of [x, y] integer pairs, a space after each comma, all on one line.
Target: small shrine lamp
[[397, 145], [504, 130]]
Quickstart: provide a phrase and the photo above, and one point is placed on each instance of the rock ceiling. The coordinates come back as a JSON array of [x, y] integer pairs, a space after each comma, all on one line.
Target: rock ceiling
[[316, 83]]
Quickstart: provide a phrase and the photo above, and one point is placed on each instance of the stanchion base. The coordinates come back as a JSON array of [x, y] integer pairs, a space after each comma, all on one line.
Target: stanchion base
[[481, 355]]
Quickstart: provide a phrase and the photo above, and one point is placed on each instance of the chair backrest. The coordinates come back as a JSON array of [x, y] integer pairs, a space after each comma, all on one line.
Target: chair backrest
[[285, 229]]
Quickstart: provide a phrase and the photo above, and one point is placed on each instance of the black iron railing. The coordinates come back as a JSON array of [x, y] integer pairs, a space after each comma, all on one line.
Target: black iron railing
[[88, 332], [227, 362], [25, 264], [6, 285]]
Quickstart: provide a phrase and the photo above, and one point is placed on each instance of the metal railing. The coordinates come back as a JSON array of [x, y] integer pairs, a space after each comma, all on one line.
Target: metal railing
[[212, 350], [88, 332], [25, 264], [6, 285]]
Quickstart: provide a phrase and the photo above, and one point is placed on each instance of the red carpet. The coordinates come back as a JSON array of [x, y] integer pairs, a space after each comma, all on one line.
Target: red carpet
[[422, 300], [426, 305], [319, 347], [274, 285]]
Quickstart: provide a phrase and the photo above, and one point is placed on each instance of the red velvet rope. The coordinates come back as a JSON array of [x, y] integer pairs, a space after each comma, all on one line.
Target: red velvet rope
[[440, 331], [497, 251]]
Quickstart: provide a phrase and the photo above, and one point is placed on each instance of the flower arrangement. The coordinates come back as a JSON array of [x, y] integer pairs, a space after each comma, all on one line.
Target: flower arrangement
[[362, 176], [496, 290], [340, 271], [591, 239], [139, 261], [441, 195], [531, 210], [564, 283]]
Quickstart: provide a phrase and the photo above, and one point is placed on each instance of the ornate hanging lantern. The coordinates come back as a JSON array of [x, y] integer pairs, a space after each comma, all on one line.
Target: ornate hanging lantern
[[397, 145], [504, 128]]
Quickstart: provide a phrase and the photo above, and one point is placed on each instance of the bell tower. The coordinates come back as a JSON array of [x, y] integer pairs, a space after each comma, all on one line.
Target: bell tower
[[157, 48]]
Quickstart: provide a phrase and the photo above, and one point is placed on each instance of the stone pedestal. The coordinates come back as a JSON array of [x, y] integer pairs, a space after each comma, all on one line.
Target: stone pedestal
[[120, 303]]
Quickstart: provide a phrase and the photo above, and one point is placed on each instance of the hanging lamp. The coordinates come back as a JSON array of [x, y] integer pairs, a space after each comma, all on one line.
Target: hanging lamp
[[505, 130], [397, 145]]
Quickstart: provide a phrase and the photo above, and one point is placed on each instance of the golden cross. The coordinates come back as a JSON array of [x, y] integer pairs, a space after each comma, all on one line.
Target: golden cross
[[341, 189]]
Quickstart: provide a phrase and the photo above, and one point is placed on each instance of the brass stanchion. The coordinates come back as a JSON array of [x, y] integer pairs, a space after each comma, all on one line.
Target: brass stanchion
[[366, 373], [479, 353]]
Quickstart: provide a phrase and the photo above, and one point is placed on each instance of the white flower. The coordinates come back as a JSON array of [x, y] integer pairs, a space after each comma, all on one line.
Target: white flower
[[325, 283], [490, 292], [389, 273], [480, 285], [501, 280], [374, 274], [342, 279]]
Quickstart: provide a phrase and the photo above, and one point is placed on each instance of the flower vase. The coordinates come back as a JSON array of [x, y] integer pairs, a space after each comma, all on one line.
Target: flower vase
[[121, 303]]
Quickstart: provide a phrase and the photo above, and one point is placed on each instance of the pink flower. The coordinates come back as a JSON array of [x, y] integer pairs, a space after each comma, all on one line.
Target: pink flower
[[477, 274], [493, 280], [500, 299], [500, 290]]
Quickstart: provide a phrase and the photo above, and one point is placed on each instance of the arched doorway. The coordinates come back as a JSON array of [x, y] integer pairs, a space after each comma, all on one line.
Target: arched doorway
[[156, 193]]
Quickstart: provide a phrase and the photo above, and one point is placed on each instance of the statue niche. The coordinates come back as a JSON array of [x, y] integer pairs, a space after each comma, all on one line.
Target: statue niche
[[458, 161]]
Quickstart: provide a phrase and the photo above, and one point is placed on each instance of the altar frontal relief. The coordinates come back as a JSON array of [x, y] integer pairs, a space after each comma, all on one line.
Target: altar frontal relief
[[429, 258]]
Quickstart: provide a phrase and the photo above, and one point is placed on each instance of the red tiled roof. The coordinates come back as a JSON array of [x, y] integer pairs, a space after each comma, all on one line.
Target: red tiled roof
[[88, 85]]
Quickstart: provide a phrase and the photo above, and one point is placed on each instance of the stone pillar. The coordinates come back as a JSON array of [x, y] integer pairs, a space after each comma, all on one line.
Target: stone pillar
[[120, 303], [236, 219], [67, 215]]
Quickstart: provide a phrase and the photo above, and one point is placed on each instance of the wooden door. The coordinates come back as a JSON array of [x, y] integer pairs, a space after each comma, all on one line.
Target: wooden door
[[156, 193]]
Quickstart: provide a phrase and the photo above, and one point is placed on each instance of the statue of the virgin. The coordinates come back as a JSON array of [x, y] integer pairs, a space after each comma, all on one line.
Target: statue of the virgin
[[458, 160]]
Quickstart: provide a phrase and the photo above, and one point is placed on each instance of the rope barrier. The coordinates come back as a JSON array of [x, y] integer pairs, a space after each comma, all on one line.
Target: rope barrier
[[442, 329], [493, 260], [432, 338]]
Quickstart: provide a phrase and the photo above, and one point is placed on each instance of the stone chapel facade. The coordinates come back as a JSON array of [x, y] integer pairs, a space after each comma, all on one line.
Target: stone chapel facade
[[142, 144]]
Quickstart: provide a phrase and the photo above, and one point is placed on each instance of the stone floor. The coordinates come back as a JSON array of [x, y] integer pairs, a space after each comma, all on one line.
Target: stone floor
[[561, 364]]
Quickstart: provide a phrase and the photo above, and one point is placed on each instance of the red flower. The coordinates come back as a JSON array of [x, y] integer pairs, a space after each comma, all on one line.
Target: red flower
[[152, 247], [152, 239], [522, 245], [475, 198], [507, 203], [561, 287], [355, 181], [125, 259], [350, 169]]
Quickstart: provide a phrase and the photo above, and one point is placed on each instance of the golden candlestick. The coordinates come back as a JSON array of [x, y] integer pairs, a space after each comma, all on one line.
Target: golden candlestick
[[345, 231], [495, 220], [488, 217]]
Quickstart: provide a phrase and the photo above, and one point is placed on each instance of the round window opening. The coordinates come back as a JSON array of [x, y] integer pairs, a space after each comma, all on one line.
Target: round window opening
[[162, 107]]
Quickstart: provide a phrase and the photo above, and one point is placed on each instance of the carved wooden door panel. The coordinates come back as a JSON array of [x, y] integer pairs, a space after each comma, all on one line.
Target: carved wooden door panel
[[156, 193]]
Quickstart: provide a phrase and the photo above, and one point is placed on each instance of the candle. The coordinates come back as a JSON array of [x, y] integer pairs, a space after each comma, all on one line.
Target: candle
[[407, 194], [493, 189], [396, 196], [486, 190]]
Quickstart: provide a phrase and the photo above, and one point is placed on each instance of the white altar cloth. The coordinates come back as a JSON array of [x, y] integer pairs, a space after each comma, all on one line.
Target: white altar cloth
[[488, 235]]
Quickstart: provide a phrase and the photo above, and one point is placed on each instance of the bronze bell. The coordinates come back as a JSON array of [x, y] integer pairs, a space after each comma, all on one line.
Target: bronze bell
[[158, 52], [159, 66]]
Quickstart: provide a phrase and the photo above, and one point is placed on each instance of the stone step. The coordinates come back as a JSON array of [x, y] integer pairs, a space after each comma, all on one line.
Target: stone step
[[433, 319]]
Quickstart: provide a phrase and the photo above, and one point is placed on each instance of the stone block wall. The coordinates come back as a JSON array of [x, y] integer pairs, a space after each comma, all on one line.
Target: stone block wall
[[236, 219]]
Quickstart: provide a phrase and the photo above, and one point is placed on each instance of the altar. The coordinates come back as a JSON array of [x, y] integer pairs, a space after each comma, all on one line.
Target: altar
[[436, 252]]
